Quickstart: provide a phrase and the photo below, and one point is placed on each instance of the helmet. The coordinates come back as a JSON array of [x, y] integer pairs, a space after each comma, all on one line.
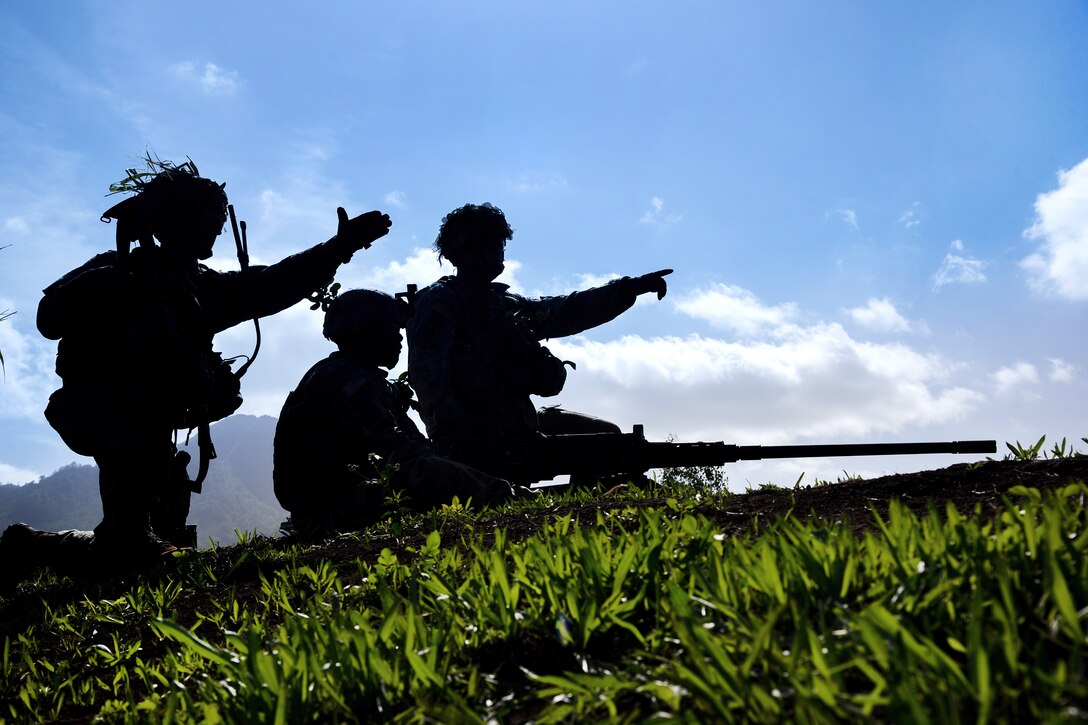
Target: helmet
[[165, 195], [352, 312]]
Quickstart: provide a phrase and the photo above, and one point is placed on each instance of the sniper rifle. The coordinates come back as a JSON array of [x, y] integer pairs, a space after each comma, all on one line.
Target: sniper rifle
[[586, 455]]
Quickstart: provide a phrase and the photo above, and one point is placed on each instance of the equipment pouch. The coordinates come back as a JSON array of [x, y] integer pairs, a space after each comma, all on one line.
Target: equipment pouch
[[549, 373], [226, 389], [76, 417], [219, 396]]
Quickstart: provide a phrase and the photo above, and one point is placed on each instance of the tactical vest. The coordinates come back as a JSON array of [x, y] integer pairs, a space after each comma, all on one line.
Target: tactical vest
[[132, 343], [497, 360]]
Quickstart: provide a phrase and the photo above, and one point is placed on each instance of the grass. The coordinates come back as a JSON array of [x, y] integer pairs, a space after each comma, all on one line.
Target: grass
[[624, 614]]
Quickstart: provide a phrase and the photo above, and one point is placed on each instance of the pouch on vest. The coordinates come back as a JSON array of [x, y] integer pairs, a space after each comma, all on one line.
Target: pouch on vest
[[77, 418], [221, 396]]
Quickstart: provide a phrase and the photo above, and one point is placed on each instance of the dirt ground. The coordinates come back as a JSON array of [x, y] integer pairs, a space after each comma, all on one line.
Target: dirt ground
[[967, 485]]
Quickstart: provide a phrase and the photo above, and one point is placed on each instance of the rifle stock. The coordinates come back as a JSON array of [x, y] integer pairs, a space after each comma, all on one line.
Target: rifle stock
[[546, 457]]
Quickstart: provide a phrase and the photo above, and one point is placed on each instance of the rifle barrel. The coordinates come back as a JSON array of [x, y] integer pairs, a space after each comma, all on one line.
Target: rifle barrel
[[603, 453], [755, 453]]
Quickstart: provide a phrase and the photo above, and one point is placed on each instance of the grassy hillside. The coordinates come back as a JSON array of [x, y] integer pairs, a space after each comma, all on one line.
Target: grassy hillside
[[880, 600]]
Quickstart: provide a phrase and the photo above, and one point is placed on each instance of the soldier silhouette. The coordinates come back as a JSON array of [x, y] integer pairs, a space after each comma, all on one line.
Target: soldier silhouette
[[475, 355], [345, 445], [135, 353]]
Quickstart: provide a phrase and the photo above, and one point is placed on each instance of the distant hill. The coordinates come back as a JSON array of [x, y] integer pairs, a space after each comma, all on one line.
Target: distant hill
[[237, 492], [66, 499]]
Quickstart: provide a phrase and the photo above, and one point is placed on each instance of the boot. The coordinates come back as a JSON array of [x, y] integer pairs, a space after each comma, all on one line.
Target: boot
[[124, 539], [24, 550], [18, 555], [118, 548]]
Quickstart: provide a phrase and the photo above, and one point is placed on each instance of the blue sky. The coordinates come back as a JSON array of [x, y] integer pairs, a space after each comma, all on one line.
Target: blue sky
[[878, 215]]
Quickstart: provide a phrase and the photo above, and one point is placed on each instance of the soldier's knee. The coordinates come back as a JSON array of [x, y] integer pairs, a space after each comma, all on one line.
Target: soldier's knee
[[554, 420]]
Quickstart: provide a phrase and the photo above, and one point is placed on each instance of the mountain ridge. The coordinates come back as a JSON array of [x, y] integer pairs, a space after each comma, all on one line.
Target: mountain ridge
[[237, 494]]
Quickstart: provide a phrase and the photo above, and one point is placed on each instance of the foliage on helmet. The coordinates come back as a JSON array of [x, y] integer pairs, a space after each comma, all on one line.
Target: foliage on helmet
[[165, 188]]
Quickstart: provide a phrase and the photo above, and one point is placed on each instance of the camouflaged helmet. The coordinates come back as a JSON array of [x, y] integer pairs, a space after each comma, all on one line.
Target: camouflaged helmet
[[355, 310], [163, 194]]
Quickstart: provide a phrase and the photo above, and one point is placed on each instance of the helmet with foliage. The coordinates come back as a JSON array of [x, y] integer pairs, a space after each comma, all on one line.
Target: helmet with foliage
[[166, 195], [355, 311]]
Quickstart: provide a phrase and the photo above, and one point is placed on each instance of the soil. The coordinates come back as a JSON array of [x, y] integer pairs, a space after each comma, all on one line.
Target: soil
[[968, 486]]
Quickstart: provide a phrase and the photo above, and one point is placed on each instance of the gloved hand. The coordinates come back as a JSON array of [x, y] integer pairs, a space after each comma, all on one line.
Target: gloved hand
[[360, 232], [652, 282]]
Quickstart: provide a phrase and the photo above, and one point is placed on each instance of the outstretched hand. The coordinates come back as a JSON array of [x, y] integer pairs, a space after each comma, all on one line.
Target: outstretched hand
[[362, 231], [652, 282]]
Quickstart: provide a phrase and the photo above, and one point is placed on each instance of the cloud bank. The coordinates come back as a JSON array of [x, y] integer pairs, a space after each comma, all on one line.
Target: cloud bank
[[881, 315], [958, 268], [211, 79], [735, 309], [1059, 267]]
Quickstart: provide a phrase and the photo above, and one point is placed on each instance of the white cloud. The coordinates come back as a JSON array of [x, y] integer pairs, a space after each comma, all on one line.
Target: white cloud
[[736, 309], [1059, 267], [28, 378], [419, 268], [217, 80], [585, 281], [957, 269], [881, 315], [16, 225], [184, 69], [16, 475], [531, 182], [656, 214], [213, 80], [909, 219], [1062, 371], [808, 383], [1015, 376], [396, 199]]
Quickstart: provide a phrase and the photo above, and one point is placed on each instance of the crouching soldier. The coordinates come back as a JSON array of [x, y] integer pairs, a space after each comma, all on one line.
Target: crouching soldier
[[344, 442]]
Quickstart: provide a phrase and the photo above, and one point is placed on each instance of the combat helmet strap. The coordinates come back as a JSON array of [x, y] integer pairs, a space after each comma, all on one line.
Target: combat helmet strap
[[132, 224]]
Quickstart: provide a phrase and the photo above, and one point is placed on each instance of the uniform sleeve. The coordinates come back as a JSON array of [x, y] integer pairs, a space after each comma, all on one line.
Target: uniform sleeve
[[579, 311], [233, 297]]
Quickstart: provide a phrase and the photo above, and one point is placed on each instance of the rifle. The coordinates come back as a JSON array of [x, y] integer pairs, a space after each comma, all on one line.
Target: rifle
[[543, 457]]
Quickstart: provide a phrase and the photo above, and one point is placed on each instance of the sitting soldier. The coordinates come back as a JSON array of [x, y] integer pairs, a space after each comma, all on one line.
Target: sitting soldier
[[475, 353], [345, 446]]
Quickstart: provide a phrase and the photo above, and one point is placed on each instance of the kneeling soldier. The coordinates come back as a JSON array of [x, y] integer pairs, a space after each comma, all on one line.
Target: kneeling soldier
[[344, 442]]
